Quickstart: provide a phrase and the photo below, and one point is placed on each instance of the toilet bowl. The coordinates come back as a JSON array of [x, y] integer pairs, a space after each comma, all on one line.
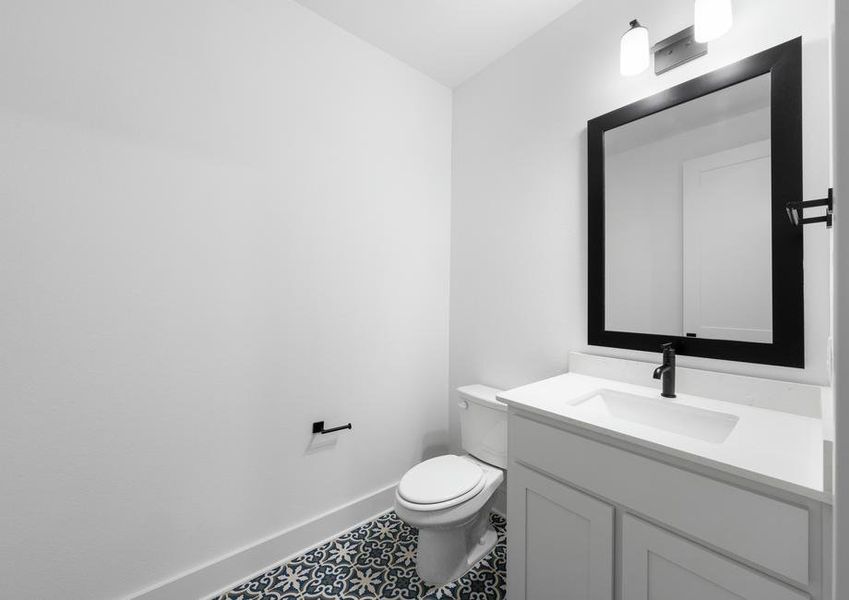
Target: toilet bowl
[[448, 498]]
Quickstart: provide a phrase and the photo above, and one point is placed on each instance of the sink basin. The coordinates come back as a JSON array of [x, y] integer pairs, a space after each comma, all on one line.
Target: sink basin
[[666, 415]]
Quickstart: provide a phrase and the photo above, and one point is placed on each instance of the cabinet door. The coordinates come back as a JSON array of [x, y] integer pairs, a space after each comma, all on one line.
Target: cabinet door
[[560, 541], [658, 565]]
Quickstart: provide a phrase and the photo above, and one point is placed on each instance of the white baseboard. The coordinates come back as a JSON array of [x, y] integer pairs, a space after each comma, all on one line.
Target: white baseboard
[[246, 563]]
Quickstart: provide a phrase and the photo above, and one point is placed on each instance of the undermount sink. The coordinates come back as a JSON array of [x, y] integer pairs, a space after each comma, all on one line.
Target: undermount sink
[[666, 415]]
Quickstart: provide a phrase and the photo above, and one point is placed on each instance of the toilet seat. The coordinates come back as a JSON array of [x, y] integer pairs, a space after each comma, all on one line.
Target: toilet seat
[[440, 483]]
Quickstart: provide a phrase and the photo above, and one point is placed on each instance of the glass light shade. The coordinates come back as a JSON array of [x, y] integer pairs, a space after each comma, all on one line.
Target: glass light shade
[[713, 18], [634, 50]]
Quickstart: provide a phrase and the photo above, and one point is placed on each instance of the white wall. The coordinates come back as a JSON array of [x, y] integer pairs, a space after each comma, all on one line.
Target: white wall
[[219, 221], [518, 280]]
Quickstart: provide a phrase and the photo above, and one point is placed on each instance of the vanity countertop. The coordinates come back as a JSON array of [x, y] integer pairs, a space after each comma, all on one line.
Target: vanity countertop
[[776, 448]]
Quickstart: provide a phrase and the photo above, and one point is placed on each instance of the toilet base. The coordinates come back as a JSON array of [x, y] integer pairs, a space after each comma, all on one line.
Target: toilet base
[[444, 555], [454, 539]]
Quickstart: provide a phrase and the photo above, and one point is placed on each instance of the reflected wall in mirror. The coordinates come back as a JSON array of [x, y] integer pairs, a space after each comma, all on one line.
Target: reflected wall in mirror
[[688, 219], [688, 238]]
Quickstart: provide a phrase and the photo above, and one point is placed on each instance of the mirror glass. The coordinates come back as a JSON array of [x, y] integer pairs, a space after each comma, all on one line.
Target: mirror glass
[[687, 218]]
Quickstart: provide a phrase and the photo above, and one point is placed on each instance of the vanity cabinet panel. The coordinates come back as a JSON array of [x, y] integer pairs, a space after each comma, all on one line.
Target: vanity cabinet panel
[[740, 522], [561, 544], [658, 565]]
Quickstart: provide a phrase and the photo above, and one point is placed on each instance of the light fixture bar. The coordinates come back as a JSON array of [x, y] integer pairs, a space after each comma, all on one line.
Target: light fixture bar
[[676, 50]]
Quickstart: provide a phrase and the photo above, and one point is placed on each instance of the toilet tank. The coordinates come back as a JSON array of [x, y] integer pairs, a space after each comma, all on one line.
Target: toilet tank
[[483, 424]]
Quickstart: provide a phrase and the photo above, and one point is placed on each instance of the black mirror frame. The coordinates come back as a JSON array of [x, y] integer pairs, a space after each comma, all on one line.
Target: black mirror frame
[[784, 64]]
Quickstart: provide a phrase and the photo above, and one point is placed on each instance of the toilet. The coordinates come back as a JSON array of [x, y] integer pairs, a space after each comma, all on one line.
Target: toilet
[[448, 498]]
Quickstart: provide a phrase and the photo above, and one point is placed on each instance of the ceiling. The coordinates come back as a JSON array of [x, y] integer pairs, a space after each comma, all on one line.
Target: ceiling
[[449, 40]]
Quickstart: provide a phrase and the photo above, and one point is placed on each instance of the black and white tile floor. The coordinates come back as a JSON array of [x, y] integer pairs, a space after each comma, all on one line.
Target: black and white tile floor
[[375, 561]]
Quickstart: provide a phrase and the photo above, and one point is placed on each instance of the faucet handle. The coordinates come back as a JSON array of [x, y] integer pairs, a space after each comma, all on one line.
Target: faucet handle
[[668, 346]]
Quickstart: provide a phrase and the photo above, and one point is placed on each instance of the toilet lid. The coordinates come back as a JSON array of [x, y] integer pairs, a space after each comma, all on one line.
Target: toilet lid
[[440, 479]]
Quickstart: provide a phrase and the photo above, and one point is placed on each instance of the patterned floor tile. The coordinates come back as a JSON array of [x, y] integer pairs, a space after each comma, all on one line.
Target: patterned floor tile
[[376, 561]]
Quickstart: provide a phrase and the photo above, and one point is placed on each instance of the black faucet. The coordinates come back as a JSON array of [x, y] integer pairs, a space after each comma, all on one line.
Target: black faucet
[[667, 371]]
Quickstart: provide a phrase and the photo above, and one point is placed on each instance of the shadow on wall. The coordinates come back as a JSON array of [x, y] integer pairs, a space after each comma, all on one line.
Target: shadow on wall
[[321, 443], [435, 443]]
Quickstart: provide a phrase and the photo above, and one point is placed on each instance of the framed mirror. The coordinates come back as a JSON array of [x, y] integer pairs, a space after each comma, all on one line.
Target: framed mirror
[[689, 240]]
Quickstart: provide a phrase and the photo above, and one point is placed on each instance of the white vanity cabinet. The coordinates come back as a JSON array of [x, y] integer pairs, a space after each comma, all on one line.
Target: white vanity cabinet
[[592, 517], [658, 565], [567, 548]]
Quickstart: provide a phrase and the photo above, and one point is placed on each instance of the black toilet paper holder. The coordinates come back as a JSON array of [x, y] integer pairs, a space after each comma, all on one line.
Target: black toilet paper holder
[[318, 427]]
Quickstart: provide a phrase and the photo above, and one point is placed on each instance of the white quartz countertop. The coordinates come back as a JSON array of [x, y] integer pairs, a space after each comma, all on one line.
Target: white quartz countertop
[[779, 449]]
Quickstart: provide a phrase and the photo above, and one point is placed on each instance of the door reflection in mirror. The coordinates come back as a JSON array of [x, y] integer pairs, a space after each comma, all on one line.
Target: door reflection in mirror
[[688, 218]]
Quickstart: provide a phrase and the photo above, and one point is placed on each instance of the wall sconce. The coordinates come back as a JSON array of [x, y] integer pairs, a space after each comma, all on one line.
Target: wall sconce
[[713, 18], [634, 50]]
